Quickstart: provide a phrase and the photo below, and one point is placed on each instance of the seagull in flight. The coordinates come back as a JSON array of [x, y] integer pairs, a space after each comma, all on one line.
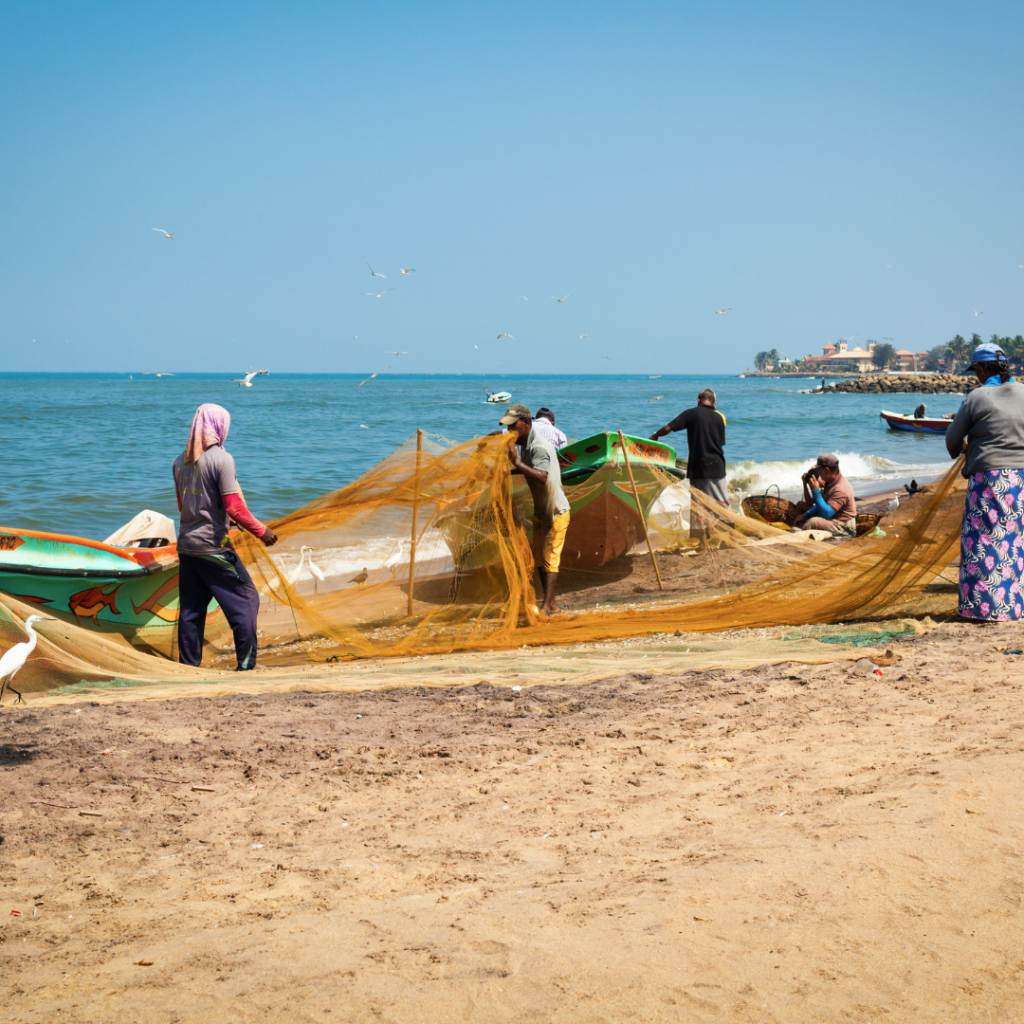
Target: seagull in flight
[[246, 381], [524, 298], [372, 375], [979, 312], [582, 336], [562, 299], [609, 358], [658, 399], [500, 336], [377, 295], [375, 274], [166, 234], [404, 270], [722, 312], [390, 353]]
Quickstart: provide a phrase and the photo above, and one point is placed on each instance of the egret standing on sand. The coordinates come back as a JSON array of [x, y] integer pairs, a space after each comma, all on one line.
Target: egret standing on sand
[[306, 558], [895, 503], [15, 657]]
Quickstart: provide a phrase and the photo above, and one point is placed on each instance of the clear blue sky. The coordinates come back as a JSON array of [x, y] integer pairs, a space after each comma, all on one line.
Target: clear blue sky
[[824, 169]]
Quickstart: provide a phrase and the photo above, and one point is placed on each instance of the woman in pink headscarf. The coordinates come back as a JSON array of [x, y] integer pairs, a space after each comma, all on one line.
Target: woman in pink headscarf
[[208, 498]]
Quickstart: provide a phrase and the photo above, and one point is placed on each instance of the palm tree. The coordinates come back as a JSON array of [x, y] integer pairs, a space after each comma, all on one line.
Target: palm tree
[[958, 351]]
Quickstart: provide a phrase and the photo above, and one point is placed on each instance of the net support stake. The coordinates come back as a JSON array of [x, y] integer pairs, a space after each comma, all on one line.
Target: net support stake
[[415, 513], [639, 508]]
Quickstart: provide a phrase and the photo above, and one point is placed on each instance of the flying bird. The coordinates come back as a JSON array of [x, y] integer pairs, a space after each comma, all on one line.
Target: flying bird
[[166, 234], [390, 353], [524, 298], [609, 358], [500, 336], [15, 657], [360, 579], [562, 299], [372, 375], [887, 339], [582, 336], [406, 270], [375, 274], [363, 426], [895, 503], [377, 295], [979, 312], [658, 399], [721, 312], [476, 346], [246, 381]]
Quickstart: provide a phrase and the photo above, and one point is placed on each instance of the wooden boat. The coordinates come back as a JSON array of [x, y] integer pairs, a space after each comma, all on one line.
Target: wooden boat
[[128, 591], [924, 425], [605, 521]]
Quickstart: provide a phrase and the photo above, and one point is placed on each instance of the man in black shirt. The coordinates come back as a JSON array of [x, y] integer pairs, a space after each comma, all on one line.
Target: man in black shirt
[[705, 466]]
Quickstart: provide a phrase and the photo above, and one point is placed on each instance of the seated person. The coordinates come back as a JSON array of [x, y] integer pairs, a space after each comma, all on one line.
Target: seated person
[[828, 500]]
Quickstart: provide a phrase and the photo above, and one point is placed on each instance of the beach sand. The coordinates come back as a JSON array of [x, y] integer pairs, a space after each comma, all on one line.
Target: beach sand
[[792, 843]]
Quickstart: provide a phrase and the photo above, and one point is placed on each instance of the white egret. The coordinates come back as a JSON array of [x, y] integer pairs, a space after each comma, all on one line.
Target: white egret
[[895, 503], [166, 234], [305, 558], [15, 657]]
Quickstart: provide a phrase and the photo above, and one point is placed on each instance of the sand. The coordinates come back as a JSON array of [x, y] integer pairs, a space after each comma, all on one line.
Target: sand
[[792, 843]]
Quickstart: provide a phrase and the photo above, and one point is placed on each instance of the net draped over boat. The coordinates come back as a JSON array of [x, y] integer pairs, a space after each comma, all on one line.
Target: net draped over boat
[[429, 553]]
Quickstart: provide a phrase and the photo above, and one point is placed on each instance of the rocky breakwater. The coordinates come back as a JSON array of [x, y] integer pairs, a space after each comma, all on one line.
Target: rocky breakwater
[[895, 383]]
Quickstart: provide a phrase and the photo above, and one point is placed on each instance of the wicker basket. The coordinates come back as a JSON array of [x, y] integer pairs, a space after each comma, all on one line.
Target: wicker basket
[[771, 508], [866, 522]]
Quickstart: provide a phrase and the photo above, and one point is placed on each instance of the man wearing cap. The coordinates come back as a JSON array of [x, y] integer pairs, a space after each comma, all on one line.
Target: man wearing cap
[[828, 500], [539, 464], [705, 464]]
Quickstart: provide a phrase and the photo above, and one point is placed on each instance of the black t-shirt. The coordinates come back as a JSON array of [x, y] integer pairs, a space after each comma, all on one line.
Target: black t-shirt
[[705, 435]]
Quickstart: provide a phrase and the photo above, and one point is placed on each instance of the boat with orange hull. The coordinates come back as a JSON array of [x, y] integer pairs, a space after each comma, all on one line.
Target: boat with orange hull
[[131, 591], [605, 521]]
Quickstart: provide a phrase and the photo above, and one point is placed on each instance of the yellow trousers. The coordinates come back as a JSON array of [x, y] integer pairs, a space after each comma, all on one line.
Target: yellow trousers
[[548, 542]]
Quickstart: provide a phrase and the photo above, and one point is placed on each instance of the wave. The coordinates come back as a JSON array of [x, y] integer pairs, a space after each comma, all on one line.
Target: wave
[[757, 477]]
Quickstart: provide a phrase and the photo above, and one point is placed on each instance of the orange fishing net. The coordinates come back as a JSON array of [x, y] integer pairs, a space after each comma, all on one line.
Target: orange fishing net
[[429, 552]]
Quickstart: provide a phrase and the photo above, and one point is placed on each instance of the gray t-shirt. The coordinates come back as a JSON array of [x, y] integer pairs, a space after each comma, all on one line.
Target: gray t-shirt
[[992, 420], [548, 499], [201, 486]]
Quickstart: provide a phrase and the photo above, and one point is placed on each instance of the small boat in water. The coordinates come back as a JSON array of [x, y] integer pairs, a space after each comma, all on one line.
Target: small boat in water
[[131, 591], [915, 425], [605, 521], [499, 397]]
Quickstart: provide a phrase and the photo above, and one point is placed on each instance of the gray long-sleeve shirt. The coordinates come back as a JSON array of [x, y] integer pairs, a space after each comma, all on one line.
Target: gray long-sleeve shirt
[[992, 420]]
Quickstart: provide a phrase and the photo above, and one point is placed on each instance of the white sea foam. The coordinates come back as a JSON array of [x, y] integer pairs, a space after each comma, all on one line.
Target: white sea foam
[[756, 477]]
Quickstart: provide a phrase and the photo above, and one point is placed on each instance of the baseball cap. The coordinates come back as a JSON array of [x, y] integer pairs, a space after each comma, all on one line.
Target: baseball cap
[[828, 461], [513, 413], [988, 352]]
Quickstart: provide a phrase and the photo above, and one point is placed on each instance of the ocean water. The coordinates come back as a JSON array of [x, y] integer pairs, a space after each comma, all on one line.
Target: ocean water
[[83, 453]]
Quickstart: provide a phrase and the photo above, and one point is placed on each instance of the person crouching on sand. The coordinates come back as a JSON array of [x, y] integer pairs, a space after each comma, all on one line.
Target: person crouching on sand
[[539, 464], [208, 497], [828, 500]]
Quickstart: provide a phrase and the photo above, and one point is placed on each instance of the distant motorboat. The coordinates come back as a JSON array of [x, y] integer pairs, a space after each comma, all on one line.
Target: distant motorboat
[[499, 397], [915, 425]]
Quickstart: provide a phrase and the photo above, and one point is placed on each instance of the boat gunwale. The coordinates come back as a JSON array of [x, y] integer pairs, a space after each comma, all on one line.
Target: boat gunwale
[[142, 557]]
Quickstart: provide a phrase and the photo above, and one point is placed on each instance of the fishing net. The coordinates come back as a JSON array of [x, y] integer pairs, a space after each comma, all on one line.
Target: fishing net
[[429, 553]]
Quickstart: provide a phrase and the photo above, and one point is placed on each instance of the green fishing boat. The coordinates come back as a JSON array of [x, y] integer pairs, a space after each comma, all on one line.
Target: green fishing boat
[[130, 591], [605, 521]]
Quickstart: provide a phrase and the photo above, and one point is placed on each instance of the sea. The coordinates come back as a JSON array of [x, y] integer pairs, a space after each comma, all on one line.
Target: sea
[[84, 453]]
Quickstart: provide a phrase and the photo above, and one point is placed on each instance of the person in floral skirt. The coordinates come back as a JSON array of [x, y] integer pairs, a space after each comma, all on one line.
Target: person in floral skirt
[[991, 420]]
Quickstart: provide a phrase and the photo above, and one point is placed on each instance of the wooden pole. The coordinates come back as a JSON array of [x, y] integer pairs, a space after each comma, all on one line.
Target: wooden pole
[[640, 508], [415, 513]]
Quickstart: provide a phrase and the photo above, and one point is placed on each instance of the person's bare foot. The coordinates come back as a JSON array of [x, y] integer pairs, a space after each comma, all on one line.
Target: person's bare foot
[[550, 609]]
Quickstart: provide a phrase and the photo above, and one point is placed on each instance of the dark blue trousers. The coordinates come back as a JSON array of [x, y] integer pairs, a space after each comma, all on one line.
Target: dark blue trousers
[[224, 578]]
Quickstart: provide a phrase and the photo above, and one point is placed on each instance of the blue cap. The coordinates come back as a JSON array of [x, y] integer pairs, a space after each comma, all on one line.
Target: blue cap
[[988, 352]]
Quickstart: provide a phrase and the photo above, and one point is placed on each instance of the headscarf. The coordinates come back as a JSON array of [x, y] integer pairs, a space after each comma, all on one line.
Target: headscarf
[[209, 427]]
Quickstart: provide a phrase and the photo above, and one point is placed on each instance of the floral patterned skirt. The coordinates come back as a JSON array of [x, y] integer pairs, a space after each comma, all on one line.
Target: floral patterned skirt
[[992, 546]]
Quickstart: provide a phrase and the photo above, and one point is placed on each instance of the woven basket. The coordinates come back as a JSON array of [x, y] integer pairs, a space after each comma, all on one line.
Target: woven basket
[[866, 522], [770, 508]]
